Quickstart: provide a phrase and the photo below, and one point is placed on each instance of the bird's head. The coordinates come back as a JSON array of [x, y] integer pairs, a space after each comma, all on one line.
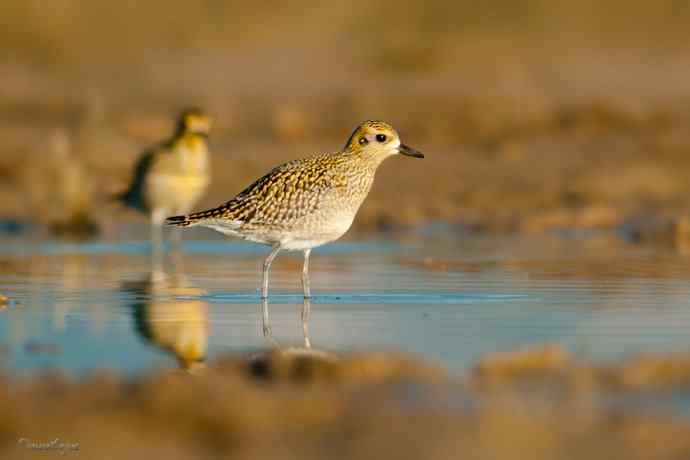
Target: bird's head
[[194, 121], [378, 139]]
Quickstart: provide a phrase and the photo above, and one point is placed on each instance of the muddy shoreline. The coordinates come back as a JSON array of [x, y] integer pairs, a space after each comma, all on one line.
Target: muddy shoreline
[[291, 404], [543, 179]]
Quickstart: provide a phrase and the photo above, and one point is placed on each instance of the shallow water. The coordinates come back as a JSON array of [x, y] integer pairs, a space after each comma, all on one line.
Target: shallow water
[[436, 292]]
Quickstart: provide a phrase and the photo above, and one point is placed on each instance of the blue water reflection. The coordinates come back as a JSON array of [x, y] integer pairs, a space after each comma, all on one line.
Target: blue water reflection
[[451, 297]]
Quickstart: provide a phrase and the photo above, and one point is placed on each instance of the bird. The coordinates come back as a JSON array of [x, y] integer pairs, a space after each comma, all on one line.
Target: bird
[[171, 177], [306, 203], [179, 327]]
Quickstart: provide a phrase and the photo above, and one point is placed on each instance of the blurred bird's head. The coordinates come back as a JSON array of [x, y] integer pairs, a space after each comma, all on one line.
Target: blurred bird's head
[[378, 139], [194, 121]]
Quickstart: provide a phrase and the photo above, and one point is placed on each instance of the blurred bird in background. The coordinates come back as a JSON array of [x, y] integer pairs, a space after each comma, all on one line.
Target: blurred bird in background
[[170, 178]]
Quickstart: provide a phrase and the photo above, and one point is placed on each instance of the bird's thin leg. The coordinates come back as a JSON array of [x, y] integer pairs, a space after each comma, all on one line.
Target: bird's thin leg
[[267, 265], [306, 310], [305, 274], [157, 217], [266, 323]]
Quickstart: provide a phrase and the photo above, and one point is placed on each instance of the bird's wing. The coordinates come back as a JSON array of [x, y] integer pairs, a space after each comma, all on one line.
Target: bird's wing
[[134, 195], [290, 191]]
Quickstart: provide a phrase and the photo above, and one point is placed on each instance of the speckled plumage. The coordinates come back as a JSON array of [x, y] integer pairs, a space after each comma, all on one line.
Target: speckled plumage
[[305, 203], [313, 199]]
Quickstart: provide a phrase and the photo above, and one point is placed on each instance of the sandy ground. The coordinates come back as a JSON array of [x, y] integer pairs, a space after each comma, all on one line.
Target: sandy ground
[[552, 114], [538, 403]]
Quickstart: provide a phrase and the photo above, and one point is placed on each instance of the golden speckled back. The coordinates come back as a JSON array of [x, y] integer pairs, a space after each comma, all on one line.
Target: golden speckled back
[[296, 193]]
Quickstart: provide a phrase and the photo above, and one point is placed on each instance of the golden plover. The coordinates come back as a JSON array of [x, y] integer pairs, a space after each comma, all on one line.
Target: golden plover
[[305, 203], [170, 178], [180, 327]]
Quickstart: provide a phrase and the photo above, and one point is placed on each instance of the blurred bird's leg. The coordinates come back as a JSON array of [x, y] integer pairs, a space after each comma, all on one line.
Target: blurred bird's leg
[[267, 265], [157, 270], [157, 218], [305, 274], [176, 251], [176, 240], [306, 311]]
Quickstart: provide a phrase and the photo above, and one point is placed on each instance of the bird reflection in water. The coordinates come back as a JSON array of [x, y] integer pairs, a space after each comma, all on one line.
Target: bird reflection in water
[[169, 314], [306, 349], [266, 323]]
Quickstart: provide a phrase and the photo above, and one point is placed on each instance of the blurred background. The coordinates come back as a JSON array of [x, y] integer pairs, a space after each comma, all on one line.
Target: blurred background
[[533, 114]]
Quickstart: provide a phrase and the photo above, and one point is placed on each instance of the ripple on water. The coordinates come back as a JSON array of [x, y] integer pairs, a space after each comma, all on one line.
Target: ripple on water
[[452, 299], [378, 298]]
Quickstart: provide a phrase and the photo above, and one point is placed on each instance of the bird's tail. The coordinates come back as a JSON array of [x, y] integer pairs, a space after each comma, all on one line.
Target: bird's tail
[[190, 220], [181, 221], [217, 216]]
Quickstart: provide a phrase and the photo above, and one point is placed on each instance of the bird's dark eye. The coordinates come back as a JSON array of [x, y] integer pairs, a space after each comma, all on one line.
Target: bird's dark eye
[[363, 140], [381, 137]]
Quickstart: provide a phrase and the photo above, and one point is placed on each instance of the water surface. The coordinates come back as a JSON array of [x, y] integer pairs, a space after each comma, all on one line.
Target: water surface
[[435, 292]]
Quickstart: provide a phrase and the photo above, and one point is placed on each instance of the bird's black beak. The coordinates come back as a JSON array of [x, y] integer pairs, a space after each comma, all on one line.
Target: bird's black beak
[[409, 151]]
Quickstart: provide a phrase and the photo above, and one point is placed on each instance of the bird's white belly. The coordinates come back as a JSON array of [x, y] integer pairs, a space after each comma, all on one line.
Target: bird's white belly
[[318, 235], [306, 235]]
